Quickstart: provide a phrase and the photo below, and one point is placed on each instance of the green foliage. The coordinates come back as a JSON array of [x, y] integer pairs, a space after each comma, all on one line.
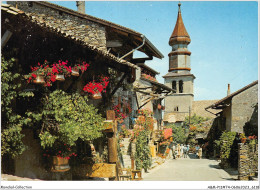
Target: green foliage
[[11, 122], [226, 141], [141, 133], [194, 120], [11, 141], [142, 155], [67, 118], [178, 134]]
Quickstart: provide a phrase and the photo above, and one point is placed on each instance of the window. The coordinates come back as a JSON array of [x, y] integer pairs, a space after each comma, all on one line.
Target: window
[[174, 87], [181, 86], [176, 108]]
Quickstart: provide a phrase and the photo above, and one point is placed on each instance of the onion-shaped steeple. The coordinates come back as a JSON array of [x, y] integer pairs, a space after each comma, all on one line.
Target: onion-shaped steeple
[[179, 34]]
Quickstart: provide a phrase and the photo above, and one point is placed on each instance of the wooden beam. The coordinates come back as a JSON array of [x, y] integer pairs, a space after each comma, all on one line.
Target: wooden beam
[[7, 35], [118, 84]]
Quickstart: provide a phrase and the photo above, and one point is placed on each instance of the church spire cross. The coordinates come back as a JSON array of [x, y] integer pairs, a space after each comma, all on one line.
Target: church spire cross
[[179, 7]]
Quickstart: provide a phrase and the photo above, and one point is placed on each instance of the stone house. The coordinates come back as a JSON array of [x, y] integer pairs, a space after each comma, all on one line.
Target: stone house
[[38, 31], [239, 110]]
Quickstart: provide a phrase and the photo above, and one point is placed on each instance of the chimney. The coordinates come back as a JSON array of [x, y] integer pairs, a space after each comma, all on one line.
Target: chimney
[[81, 6], [228, 90]]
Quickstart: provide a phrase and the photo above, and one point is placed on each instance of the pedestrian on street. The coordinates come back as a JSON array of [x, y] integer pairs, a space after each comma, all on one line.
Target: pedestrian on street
[[188, 149], [174, 151], [185, 151], [178, 151], [181, 155], [197, 149], [171, 148], [200, 153]]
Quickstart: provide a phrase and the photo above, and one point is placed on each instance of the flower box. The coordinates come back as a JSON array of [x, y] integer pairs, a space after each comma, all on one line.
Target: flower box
[[96, 96], [60, 77], [39, 79], [75, 72], [60, 164]]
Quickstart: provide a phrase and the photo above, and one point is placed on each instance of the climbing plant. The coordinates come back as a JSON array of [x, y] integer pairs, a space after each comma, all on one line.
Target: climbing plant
[[226, 141], [141, 135], [11, 121]]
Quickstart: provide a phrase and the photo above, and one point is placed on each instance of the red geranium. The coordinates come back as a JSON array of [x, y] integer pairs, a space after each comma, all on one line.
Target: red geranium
[[95, 87]]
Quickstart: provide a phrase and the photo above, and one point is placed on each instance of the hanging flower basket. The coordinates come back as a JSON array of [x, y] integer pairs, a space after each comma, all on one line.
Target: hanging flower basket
[[96, 96], [75, 72], [60, 164], [163, 107], [60, 77], [39, 79]]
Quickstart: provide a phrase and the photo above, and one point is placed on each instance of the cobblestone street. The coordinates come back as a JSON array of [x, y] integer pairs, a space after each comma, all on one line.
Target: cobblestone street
[[188, 169]]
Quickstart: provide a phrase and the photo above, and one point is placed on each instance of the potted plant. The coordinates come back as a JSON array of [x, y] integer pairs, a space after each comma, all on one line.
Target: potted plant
[[96, 88], [64, 123], [83, 67], [60, 154], [38, 73], [61, 70]]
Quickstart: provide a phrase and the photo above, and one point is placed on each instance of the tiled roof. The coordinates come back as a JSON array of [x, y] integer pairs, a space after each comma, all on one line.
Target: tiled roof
[[158, 84], [12, 10], [179, 33], [148, 68], [103, 22], [213, 106]]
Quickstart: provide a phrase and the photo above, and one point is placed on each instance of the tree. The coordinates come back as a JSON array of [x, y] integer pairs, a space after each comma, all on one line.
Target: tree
[[178, 134], [194, 120], [67, 118]]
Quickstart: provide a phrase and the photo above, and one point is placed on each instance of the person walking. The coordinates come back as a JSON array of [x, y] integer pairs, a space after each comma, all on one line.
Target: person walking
[[178, 151], [188, 149], [174, 151], [197, 149], [185, 151], [171, 148], [200, 153], [181, 155]]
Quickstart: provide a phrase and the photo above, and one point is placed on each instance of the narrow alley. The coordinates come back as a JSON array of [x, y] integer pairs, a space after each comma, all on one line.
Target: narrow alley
[[188, 169]]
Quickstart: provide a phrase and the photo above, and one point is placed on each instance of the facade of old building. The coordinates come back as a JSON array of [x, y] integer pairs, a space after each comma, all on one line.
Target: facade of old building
[[44, 31], [239, 110]]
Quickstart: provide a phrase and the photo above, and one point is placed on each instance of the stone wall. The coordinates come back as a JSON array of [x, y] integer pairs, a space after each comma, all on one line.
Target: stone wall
[[83, 29], [243, 109], [247, 161]]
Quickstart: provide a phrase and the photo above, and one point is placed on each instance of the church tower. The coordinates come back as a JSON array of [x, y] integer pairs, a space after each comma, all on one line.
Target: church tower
[[179, 77]]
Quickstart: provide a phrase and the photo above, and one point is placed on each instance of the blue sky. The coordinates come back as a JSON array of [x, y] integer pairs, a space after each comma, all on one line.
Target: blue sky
[[224, 37]]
